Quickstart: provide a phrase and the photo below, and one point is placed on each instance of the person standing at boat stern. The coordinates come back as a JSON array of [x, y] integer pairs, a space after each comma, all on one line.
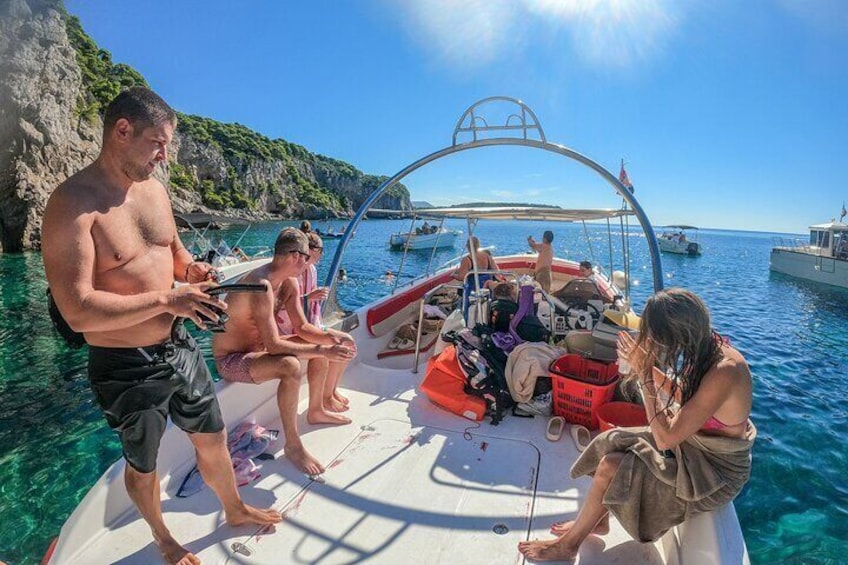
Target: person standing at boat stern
[[255, 349], [544, 260], [111, 255], [695, 454]]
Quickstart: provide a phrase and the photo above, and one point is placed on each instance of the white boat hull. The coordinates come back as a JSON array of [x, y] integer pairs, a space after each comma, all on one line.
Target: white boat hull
[[427, 241], [810, 266], [685, 248]]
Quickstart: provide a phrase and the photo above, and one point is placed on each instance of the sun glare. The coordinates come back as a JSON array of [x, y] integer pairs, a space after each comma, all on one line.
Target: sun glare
[[476, 33]]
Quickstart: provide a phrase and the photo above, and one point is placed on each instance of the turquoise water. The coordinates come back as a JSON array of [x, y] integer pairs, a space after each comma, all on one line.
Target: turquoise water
[[54, 443]]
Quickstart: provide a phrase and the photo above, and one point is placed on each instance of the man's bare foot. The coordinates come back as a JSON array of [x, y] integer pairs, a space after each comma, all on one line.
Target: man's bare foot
[[561, 528], [548, 550], [324, 417], [250, 515], [303, 460], [173, 553], [334, 405], [343, 399]]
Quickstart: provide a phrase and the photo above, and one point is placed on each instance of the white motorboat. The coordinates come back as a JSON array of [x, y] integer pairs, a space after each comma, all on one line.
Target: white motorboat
[[824, 258], [408, 482], [215, 250], [424, 237], [674, 239]]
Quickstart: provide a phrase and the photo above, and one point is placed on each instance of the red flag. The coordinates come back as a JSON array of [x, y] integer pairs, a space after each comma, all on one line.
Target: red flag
[[624, 179]]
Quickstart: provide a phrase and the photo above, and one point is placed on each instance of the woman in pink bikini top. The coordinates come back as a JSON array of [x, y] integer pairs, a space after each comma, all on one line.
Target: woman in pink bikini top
[[692, 380]]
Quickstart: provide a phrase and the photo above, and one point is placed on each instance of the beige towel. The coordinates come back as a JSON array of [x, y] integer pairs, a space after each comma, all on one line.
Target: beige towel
[[525, 364], [651, 494]]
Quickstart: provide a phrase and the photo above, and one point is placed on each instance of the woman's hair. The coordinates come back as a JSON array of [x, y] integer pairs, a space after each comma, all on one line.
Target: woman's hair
[[676, 335], [305, 226]]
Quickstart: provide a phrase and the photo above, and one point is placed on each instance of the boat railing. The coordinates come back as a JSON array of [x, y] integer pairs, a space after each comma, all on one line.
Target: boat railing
[[425, 300], [791, 243]]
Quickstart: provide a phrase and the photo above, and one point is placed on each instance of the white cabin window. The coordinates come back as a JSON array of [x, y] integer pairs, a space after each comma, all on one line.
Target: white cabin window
[[820, 239]]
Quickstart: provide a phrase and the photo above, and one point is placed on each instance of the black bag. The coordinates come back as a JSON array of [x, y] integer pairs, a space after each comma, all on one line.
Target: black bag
[[74, 339], [484, 367], [530, 328]]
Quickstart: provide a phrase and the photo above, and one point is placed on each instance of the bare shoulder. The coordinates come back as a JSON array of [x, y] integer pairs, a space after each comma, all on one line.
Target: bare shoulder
[[78, 194], [732, 368], [289, 289]]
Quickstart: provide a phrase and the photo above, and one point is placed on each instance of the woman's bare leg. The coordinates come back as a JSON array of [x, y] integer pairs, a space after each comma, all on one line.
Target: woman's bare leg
[[333, 400], [318, 411], [591, 513]]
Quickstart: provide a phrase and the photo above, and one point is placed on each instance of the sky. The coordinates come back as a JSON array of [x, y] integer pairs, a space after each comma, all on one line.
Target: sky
[[728, 114]]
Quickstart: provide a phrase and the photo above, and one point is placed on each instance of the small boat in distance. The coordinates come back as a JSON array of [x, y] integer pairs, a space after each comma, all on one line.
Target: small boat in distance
[[675, 240], [424, 237], [824, 258], [216, 250]]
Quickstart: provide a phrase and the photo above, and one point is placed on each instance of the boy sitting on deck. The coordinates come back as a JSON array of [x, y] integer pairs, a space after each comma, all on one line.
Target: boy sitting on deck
[[252, 350]]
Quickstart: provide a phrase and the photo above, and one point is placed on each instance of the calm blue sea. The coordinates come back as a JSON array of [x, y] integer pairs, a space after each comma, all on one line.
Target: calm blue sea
[[54, 443]]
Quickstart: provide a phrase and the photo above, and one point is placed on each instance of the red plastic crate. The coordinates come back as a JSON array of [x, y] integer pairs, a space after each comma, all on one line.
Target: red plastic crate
[[578, 402], [579, 368]]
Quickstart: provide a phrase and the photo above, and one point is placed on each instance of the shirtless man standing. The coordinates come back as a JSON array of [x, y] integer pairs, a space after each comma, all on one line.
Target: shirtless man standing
[[111, 255], [544, 260], [253, 350]]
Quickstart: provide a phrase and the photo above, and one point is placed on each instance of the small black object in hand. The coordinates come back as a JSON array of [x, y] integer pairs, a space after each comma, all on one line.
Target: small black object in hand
[[216, 326]]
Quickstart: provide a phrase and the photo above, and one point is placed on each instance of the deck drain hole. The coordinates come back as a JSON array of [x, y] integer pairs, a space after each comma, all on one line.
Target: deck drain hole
[[500, 529], [239, 547]]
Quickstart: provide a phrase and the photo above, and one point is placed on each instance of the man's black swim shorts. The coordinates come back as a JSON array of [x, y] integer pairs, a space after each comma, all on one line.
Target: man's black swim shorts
[[138, 388]]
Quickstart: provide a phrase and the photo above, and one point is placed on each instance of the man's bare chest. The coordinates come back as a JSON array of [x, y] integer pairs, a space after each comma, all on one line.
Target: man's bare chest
[[128, 232]]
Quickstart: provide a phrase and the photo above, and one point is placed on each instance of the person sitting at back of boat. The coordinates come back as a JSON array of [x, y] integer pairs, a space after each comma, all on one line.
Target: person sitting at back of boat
[[254, 350], [544, 260], [585, 270], [504, 306], [695, 454], [323, 377], [485, 262]]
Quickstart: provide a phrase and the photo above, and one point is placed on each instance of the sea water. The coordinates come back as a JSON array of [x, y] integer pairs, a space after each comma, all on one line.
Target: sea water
[[54, 443]]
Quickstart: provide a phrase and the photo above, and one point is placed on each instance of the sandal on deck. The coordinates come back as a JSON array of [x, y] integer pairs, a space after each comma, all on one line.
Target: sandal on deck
[[581, 436], [555, 427]]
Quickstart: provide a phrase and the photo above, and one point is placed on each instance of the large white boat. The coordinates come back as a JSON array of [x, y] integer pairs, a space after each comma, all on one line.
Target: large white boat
[[424, 237], [674, 239], [824, 258], [408, 482]]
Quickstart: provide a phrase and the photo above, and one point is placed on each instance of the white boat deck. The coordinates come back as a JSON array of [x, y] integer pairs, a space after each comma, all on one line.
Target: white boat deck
[[407, 482]]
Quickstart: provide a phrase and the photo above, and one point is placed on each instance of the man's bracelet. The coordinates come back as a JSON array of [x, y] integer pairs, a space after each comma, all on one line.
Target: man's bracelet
[[186, 271]]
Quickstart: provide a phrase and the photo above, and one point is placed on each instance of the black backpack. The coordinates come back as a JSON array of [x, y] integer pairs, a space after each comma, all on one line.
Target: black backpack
[[484, 367], [74, 339]]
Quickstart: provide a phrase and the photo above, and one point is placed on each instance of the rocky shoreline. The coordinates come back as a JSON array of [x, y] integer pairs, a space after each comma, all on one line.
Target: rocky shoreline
[[47, 133]]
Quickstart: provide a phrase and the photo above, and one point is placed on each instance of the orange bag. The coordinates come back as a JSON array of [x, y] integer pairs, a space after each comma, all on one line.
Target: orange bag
[[444, 385]]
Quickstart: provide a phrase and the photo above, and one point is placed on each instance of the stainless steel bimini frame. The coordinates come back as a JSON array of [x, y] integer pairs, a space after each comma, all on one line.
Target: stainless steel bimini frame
[[524, 122]]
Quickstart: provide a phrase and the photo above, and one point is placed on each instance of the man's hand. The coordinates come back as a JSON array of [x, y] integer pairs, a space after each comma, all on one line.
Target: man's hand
[[190, 301], [341, 338], [338, 352], [198, 271]]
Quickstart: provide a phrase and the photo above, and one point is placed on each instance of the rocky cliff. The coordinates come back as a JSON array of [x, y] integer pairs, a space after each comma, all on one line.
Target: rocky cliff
[[54, 84]]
